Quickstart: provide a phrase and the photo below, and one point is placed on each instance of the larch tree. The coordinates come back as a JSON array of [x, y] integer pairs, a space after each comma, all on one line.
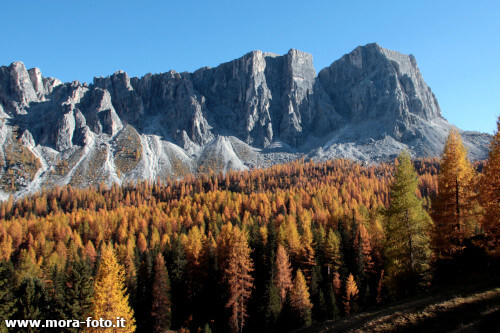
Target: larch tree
[[453, 208], [239, 279], [161, 308], [283, 277], [351, 292], [224, 244], [362, 245], [407, 243], [306, 258], [110, 296], [490, 195], [300, 302], [333, 255]]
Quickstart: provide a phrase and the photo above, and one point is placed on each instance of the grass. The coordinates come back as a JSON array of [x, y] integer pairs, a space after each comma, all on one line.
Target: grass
[[462, 311]]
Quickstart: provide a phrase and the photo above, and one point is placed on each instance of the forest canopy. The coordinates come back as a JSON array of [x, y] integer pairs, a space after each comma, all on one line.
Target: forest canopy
[[287, 246]]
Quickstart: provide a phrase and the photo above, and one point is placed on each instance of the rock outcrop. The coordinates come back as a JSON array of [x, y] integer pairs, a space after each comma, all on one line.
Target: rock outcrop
[[257, 110]]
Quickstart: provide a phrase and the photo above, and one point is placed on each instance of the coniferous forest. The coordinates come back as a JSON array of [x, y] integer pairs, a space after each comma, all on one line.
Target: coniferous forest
[[268, 250]]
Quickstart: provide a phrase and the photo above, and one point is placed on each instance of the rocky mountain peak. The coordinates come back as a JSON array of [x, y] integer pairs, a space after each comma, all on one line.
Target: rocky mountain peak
[[257, 110], [374, 83]]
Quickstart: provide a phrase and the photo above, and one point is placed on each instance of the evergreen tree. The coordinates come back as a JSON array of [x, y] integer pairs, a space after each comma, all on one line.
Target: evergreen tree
[[33, 301], [161, 311], [273, 307], [331, 303], [407, 244], [7, 300], [210, 292], [177, 268], [56, 288], [453, 208], [142, 309], [317, 295], [79, 289], [110, 299], [207, 329], [490, 195]]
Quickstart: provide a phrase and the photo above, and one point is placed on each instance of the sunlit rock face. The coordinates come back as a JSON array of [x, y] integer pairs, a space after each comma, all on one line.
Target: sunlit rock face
[[255, 111]]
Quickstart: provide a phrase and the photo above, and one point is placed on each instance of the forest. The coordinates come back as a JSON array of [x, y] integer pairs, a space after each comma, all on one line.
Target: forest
[[269, 250]]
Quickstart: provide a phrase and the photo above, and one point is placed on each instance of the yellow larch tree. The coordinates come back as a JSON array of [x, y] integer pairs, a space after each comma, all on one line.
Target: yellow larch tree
[[351, 292], [110, 299], [300, 302], [453, 209], [306, 255], [490, 195], [332, 252]]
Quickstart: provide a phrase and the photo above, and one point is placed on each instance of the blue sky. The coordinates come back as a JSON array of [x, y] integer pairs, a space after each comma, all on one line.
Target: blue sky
[[456, 43]]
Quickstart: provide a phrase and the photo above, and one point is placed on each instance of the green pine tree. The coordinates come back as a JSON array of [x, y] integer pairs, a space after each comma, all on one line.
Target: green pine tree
[[79, 289], [272, 308], [56, 290], [144, 295], [407, 224], [331, 303], [32, 301], [7, 300], [176, 265]]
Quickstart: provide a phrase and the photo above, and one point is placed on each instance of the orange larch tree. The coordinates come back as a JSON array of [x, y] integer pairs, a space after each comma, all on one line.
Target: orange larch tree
[[490, 195], [453, 209], [239, 279], [283, 277], [161, 309]]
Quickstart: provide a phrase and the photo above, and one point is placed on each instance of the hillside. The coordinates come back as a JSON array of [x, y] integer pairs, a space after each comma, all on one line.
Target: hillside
[[437, 312]]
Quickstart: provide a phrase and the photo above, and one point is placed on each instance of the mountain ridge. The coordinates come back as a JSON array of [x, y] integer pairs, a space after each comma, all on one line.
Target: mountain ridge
[[255, 111]]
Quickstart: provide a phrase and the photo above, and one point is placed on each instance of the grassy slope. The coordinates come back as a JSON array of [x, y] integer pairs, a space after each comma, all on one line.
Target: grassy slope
[[465, 311]]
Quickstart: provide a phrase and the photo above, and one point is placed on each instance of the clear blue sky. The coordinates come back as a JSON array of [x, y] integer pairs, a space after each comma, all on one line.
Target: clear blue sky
[[456, 43]]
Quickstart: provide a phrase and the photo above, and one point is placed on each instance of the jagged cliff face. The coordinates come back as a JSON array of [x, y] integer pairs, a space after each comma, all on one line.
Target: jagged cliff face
[[258, 110]]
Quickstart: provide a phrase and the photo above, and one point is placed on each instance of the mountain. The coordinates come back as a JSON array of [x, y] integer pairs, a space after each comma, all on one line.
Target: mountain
[[255, 111]]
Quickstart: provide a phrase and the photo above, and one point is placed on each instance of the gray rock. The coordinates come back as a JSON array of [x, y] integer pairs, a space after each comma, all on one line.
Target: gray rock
[[27, 139], [37, 82], [16, 88], [254, 111], [65, 130]]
